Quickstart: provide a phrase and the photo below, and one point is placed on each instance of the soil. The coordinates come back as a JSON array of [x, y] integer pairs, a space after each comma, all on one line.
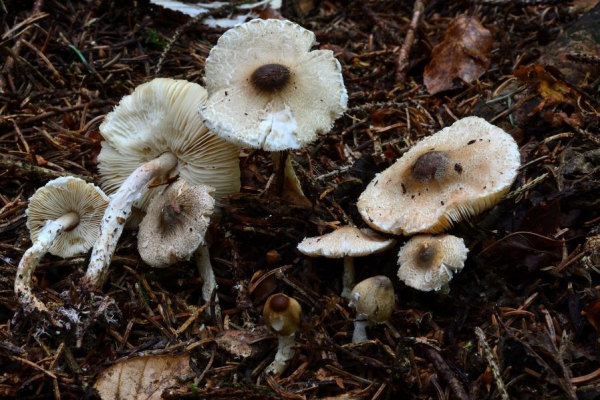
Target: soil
[[520, 320]]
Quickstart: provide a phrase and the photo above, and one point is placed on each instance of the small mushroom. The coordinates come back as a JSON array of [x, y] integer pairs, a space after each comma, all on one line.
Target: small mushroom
[[455, 173], [374, 300], [429, 262], [175, 227], [63, 219], [155, 133], [346, 242], [282, 315], [268, 90]]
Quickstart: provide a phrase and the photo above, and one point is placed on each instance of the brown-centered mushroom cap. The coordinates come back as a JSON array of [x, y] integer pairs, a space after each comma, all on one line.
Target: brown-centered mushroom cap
[[455, 173], [268, 90], [347, 241], [429, 262], [175, 223], [59, 197], [282, 314]]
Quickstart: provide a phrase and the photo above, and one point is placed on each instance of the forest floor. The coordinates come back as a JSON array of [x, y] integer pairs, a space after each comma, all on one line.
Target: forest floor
[[520, 320]]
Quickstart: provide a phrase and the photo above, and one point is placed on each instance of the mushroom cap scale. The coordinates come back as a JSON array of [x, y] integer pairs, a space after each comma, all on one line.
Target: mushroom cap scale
[[472, 164], [59, 197], [161, 116], [347, 241], [271, 109], [175, 223], [429, 262]]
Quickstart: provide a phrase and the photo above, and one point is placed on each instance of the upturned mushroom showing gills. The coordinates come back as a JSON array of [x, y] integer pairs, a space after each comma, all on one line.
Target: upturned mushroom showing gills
[[174, 229], [346, 242], [63, 219], [374, 301], [268, 90], [455, 173], [429, 262], [282, 315], [155, 134]]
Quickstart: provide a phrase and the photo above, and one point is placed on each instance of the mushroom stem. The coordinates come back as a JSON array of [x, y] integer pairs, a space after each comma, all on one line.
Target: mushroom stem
[[119, 210], [32, 257], [206, 272], [360, 332], [286, 180], [348, 277], [285, 352]]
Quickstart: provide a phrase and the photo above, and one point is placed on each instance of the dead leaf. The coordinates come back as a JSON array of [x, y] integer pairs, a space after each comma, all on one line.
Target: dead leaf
[[462, 54], [548, 83], [142, 377]]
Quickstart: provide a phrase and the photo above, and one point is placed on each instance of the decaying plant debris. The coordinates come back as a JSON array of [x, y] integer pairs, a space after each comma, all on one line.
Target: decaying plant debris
[[520, 319]]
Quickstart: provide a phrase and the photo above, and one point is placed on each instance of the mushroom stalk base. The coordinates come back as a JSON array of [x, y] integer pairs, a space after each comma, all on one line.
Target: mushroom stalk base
[[32, 257], [285, 352], [348, 278], [119, 210], [360, 332]]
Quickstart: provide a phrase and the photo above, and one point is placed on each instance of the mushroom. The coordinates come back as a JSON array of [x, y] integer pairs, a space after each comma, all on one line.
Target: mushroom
[[457, 172], [175, 226], [346, 242], [155, 133], [268, 90], [282, 315], [63, 219], [374, 300], [428, 262]]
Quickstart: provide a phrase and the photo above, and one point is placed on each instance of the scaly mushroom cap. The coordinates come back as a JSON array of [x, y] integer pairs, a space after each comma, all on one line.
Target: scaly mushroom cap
[[175, 223], [59, 197], [457, 172], [282, 314], [162, 116], [268, 90], [346, 241], [374, 297], [429, 262]]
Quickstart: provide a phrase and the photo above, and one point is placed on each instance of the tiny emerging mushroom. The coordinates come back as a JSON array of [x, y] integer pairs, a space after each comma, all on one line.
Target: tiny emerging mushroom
[[429, 262], [282, 315], [63, 219], [155, 133], [457, 172], [374, 301], [346, 242], [174, 229], [268, 90]]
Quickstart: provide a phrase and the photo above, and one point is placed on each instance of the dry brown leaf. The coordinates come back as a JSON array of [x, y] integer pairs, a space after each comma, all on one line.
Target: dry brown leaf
[[142, 377], [462, 54]]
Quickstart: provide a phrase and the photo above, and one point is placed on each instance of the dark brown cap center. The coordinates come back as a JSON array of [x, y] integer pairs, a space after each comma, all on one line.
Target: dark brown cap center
[[429, 166], [270, 77], [425, 255], [279, 303]]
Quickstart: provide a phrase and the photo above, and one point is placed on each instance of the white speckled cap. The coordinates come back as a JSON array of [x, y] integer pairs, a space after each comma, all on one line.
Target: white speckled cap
[[311, 99]]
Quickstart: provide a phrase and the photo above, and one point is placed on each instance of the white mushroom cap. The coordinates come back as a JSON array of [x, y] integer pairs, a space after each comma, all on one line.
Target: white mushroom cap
[[429, 262], [175, 223], [60, 197], [161, 116], [457, 172], [268, 90], [347, 241]]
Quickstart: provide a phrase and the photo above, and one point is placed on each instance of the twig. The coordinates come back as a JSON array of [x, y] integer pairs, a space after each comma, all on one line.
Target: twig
[[440, 365], [403, 56], [26, 170], [491, 360]]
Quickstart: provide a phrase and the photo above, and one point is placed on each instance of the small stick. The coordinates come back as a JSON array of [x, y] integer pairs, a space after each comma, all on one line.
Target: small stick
[[442, 367], [403, 56], [491, 360]]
